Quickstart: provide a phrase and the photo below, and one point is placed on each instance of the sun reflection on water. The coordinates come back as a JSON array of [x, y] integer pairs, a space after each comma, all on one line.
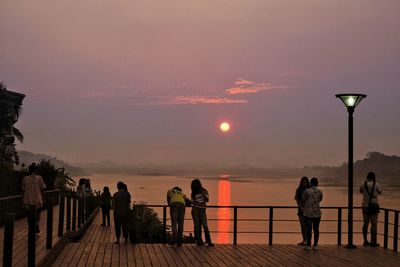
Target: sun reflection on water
[[224, 199]]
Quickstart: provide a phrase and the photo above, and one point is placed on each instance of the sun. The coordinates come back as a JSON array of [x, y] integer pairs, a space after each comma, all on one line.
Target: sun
[[224, 126]]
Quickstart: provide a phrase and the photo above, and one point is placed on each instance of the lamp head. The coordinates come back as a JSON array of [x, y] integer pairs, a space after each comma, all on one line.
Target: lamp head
[[351, 100]]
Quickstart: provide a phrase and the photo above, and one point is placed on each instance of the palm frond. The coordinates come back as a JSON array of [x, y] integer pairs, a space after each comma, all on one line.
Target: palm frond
[[18, 134]]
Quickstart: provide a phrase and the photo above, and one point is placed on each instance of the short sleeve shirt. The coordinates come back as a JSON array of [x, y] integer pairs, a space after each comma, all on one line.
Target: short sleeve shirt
[[32, 186], [312, 198], [121, 202], [374, 198]]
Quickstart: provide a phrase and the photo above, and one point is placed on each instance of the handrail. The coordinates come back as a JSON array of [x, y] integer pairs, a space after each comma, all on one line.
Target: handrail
[[271, 232], [86, 210]]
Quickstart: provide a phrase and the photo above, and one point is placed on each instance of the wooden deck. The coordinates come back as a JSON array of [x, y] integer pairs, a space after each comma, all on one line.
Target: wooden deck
[[96, 248], [20, 243]]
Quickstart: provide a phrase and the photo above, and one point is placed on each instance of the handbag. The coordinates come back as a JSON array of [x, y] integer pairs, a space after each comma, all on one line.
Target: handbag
[[373, 208]]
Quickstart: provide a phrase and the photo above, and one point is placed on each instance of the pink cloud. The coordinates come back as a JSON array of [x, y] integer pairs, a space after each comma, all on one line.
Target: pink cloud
[[196, 99], [243, 82], [249, 87]]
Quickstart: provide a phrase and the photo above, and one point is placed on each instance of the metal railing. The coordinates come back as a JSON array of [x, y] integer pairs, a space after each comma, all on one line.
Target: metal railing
[[73, 213], [271, 223]]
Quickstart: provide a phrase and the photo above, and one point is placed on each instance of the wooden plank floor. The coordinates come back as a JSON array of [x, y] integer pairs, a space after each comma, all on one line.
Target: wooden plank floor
[[96, 248], [20, 243]]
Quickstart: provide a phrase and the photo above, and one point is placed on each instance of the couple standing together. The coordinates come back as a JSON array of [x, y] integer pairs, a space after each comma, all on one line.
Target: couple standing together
[[308, 197], [178, 201]]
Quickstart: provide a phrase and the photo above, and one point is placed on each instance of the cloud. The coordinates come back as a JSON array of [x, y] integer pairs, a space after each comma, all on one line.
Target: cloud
[[248, 87], [243, 82], [197, 99]]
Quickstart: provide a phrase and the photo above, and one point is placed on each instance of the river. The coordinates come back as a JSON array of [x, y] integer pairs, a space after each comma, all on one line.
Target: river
[[265, 191]]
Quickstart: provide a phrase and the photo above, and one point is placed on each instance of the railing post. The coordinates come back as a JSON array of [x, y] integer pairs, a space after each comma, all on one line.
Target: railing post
[[8, 239], [132, 235], [61, 216], [68, 226], [164, 236], [80, 212], [49, 233], [396, 230], [32, 236], [339, 227], [271, 225], [235, 225], [73, 212], [386, 229]]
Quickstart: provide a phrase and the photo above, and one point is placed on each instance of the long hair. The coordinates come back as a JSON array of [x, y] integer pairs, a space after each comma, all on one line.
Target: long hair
[[196, 187], [301, 188]]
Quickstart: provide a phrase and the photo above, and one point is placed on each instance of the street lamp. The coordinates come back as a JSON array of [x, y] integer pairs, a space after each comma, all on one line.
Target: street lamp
[[350, 101]]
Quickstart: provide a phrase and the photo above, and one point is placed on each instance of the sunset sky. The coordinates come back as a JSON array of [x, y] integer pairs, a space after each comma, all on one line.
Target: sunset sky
[[150, 81]]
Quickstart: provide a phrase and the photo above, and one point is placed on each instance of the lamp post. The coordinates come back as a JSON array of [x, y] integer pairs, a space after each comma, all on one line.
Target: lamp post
[[350, 101]]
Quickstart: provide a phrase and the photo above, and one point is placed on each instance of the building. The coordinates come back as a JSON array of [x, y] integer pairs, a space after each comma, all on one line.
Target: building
[[10, 106]]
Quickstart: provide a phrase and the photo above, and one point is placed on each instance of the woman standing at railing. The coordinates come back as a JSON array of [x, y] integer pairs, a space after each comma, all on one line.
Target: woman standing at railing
[[304, 184], [199, 200], [312, 212]]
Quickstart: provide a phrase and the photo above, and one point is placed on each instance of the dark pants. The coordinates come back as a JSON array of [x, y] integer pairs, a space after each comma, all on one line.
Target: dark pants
[[373, 218], [313, 225], [37, 218], [121, 221], [200, 220], [303, 225], [177, 212], [105, 210]]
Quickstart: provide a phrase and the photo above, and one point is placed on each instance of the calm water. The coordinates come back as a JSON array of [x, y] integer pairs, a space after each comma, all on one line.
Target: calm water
[[248, 191]]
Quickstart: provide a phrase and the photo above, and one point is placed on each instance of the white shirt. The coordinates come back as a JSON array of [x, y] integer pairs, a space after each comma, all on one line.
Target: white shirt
[[374, 198], [32, 186]]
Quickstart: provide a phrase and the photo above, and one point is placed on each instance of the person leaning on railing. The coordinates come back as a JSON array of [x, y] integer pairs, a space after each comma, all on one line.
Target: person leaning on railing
[[177, 203], [370, 208]]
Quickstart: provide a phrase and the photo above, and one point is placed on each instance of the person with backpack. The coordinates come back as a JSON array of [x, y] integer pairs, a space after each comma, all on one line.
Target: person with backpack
[[177, 204], [199, 200], [105, 203], [370, 208]]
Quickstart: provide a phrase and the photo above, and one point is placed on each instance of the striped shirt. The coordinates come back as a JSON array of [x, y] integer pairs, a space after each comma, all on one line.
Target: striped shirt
[[200, 199]]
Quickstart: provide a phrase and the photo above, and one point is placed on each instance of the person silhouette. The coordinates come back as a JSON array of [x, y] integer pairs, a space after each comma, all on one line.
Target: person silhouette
[[105, 203], [121, 206], [33, 192], [299, 197], [199, 200], [177, 204], [312, 212], [370, 208]]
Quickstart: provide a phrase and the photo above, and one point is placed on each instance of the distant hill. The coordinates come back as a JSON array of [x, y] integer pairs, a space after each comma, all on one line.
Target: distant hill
[[29, 157], [386, 168]]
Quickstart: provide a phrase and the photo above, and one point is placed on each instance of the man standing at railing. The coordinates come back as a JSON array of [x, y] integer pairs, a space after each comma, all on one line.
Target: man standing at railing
[[33, 192]]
